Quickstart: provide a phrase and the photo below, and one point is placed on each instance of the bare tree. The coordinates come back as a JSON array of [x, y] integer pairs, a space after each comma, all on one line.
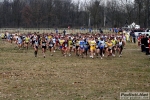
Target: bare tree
[[61, 13], [17, 6], [95, 12], [27, 15]]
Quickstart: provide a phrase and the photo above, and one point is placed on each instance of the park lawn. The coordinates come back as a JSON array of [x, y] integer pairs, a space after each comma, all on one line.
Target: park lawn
[[24, 77]]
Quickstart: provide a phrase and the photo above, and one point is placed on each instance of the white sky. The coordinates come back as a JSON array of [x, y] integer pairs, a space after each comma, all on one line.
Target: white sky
[[88, 0]]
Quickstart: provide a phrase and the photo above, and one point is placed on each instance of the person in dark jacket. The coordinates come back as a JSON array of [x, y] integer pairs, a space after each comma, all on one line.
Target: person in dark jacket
[[142, 44], [146, 44], [134, 37]]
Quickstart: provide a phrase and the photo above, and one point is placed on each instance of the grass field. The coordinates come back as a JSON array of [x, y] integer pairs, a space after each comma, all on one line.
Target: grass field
[[24, 77]]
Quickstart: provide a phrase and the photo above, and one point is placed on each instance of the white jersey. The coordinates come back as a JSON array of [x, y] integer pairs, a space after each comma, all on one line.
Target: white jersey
[[54, 40], [34, 38], [120, 43], [124, 38], [36, 43]]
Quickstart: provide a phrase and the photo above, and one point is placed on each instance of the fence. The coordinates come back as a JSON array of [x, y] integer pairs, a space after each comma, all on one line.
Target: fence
[[49, 30]]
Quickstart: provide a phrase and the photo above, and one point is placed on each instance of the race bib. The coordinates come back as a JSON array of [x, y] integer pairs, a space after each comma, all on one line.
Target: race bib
[[51, 45], [85, 46], [43, 44], [81, 46], [65, 45], [110, 47]]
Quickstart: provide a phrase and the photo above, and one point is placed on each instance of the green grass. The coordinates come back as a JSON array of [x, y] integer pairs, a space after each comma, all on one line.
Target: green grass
[[24, 77]]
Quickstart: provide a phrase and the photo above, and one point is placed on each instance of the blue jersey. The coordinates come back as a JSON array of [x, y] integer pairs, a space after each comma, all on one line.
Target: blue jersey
[[101, 44], [81, 43], [86, 44], [97, 43], [19, 40]]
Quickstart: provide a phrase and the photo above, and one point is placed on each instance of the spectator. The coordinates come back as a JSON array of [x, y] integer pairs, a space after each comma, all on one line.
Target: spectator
[[142, 44], [134, 38], [90, 30], [131, 34], [100, 30], [146, 44], [64, 32]]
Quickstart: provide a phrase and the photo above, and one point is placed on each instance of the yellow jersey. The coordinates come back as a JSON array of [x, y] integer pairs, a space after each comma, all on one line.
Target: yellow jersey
[[61, 42], [109, 44], [27, 39], [70, 43], [49, 37], [113, 42], [92, 43], [77, 43]]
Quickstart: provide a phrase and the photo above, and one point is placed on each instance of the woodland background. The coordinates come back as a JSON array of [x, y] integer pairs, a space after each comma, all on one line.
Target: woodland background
[[64, 13]]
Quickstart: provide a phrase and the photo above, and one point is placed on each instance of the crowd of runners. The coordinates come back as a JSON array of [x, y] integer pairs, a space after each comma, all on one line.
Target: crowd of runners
[[79, 44]]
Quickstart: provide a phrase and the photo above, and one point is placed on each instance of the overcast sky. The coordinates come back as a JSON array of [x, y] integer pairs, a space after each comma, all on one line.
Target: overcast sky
[[88, 0]]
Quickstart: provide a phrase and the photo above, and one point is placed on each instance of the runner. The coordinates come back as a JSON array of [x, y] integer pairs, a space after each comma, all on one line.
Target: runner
[[114, 42], [11, 38], [70, 45], [81, 47], [27, 40], [33, 38], [65, 47], [36, 46], [57, 43], [51, 46], [19, 42], [120, 46], [109, 49], [23, 40], [77, 47], [61, 41], [43, 46], [74, 45], [97, 47], [101, 46], [92, 47], [86, 47], [54, 41]]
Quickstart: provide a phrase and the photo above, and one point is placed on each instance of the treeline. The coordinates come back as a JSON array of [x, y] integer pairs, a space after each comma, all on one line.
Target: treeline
[[64, 13]]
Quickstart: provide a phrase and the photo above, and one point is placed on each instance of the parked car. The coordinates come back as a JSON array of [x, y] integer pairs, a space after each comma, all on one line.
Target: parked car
[[138, 32]]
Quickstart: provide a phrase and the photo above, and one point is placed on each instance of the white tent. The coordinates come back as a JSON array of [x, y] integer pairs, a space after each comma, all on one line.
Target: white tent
[[133, 25]]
